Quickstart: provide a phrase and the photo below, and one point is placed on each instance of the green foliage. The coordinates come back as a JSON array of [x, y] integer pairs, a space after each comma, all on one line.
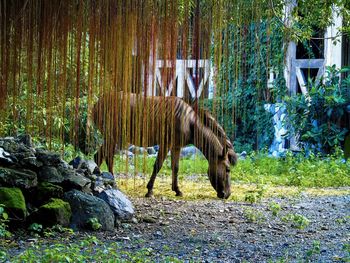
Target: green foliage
[[256, 195], [57, 229], [4, 233], [297, 220], [253, 216], [301, 171], [253, 48], [89, 249], [93, 224], [35, 228], [314, 250], [275, 208], [316, 115]]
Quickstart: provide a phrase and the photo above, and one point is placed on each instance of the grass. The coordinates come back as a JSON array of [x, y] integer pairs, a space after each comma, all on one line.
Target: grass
[[89, 249], [253, 178]]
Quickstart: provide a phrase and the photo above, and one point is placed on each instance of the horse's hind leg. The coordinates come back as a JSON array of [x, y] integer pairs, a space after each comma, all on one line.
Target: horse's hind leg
[[162, 153], [175, 157]]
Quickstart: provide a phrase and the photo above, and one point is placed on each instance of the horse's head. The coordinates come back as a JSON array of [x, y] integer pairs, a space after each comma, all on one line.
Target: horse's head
[[219, 174]]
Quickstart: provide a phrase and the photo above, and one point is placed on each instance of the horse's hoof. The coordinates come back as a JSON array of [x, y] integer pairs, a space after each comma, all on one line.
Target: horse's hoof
[[179, 194], [149, 194]]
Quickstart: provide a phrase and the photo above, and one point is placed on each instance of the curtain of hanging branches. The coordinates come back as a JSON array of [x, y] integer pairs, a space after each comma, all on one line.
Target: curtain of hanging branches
[[58, 57]]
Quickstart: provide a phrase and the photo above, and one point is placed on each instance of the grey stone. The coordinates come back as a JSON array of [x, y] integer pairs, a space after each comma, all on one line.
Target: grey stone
[[119, 203], [31, 162], [151, 150], [107, 175], [189, 151], [76, 162], [90, 165], [49, 174], [21, 178], [136, 150], [85, 207], [5, 157], [77, 181], [48, 158], [98, 185]]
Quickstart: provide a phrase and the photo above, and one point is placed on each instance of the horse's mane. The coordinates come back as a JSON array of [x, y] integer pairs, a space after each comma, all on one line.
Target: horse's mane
[[188, 116], [209, 121]]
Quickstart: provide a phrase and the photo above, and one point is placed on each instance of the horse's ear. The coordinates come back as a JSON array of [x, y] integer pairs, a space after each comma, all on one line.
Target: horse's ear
[[232, 156]]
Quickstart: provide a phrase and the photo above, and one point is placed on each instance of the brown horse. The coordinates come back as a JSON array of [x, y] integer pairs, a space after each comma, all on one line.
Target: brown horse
[[169, 122]]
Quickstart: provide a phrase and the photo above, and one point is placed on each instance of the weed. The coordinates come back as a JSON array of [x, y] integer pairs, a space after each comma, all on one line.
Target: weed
[[93, 224], [3, 222], [346, 249], [251, 197], [343, 220], [297, 220], [314, 250], [275, 208], [51, 232], [35, 228], [253, 216]]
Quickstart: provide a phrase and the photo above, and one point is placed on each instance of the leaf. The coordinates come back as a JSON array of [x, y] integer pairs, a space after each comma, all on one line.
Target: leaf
[[5, 216]]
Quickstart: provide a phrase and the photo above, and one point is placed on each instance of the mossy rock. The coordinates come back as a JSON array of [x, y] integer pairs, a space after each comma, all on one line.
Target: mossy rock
[[14, 202], [45, 191], [56, 211]]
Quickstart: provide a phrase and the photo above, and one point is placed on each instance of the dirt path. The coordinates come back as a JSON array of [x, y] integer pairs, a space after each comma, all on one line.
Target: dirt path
[[215, 231]]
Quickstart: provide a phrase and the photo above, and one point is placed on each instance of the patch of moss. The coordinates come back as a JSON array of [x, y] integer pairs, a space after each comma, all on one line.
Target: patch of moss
[[56, 211], [14, 202], [46, 190]]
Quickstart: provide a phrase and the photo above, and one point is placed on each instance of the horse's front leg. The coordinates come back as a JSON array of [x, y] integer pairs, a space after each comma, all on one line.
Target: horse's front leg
[[162, 153], [175, 157]]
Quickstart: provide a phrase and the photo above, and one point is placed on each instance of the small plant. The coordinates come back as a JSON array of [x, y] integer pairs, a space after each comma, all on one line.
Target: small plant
[[251, 197], [275, 208], [35, 228], [94, 224], [315, 250], [256, 195], [297, 220], [253, 216], [3, 222], [343, 220], [50, 232]]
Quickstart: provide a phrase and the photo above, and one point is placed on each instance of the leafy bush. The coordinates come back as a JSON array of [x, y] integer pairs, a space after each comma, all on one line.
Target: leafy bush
[[317, 116]]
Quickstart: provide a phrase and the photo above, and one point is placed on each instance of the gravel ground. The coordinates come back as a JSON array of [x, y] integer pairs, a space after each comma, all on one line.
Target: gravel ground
[[217, 231]]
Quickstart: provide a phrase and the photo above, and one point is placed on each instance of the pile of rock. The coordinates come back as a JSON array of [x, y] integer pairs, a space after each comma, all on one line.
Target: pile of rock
[[38, 186], [186, 152]]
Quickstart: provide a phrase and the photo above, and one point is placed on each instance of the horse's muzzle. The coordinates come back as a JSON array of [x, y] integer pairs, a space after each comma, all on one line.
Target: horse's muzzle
[[223, 195]]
